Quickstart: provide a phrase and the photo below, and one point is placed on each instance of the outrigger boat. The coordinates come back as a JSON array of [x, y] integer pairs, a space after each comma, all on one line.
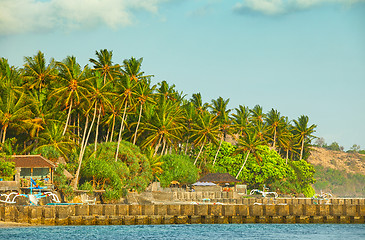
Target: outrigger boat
[[33, 197]]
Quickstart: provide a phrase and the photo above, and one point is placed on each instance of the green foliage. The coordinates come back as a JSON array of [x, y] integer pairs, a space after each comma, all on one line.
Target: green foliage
[[49, 152], [339, 183], [62, 184], [178, 168], [7, 169], [272, 171], [131, 171], [308, 191]]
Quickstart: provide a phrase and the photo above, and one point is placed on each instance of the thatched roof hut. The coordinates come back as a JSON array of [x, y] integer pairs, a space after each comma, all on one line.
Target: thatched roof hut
[[219, 178]]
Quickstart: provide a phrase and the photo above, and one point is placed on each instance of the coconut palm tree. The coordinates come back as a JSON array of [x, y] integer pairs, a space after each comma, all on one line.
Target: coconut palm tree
[[219, 108], [104, 65], [249, 144], [37, 73], [205, 130], [132, 68], [163, 124], [257, 116], [304, 131], [143, 95], [274, 122], [72, 89], [13, 110], [241, 123], [198, 103]]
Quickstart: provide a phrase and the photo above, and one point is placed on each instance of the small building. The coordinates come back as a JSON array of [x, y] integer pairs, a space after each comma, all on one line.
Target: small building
[[33, 166]]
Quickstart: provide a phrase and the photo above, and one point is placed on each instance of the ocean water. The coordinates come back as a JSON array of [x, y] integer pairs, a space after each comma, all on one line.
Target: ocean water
[[198, 231]]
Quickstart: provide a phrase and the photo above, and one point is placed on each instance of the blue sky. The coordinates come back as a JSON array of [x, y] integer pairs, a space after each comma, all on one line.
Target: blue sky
[[297, 56]]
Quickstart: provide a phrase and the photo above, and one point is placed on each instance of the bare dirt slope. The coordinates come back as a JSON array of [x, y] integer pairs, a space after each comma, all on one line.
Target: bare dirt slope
[[349, 162]]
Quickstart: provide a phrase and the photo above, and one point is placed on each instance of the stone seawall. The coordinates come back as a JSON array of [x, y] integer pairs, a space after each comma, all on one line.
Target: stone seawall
[[123, 214]]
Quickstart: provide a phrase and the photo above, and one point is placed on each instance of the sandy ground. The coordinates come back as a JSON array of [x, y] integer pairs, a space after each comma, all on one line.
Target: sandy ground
[[13, 224]]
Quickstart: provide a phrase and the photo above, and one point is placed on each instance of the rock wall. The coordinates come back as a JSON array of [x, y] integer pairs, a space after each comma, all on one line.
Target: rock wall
[[294, 211]]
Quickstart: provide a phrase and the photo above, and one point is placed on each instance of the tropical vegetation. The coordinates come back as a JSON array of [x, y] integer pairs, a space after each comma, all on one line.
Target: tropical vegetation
[[118, 131]]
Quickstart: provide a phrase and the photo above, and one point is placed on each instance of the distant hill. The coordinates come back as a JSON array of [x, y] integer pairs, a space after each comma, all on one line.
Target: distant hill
[[342, 174]]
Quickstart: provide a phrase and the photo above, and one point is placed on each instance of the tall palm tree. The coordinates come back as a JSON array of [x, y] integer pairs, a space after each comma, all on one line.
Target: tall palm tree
[[144, 95], [274, 122], [249, 144], [99, 94], [205, 130], [37, 73], [241, 123], [163, 124], [132, 68], [13, 110], [104, 64], [72, 89], [126, 95], [197, 101], [257, 115], [304, 131], [219, 108]]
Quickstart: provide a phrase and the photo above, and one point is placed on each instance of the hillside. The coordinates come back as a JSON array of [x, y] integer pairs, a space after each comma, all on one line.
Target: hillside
[[340, 173], [342, 161]]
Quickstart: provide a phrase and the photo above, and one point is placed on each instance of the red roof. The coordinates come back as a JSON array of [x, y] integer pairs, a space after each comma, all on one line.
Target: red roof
[[31, 161]]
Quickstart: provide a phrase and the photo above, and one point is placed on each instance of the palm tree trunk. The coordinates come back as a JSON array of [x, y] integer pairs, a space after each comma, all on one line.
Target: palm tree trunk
[[163, 146], [216, 155], [186, 147], [201, 149], [243, 165], [68, 118], [4, 133], [83, 147], [301, 150], [273, 145], [157, 146], [112, 133], [120, 131], [78, 127], [76, 179], [139, 120], [97, 129]]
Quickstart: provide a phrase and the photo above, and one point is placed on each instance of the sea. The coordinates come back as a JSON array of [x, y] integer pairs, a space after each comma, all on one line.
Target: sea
[[190, 232]]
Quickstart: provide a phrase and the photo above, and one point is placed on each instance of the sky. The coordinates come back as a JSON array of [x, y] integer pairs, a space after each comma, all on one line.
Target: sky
[[301, 57]]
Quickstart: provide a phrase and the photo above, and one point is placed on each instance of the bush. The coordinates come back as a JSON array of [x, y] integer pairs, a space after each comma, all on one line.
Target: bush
[[178, 168], [7, 169], [101, 171]]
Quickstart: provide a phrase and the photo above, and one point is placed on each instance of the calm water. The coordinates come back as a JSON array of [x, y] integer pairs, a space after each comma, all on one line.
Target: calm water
[[203, 231]]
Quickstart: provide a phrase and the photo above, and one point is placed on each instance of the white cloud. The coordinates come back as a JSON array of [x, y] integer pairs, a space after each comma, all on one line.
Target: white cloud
[[279, 7], [18, 16]]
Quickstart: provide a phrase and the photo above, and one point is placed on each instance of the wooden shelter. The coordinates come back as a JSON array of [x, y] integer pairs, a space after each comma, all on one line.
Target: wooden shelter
[[219, 178], [33, 166]]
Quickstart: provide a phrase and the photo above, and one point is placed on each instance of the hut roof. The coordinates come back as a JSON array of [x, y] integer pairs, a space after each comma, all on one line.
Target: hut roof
[[218, 178], [31, 161]]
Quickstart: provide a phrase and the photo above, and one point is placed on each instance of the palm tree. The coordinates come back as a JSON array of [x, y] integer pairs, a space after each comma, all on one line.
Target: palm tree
[[198, 103], [163, 124], [127, 98], [37, 73], [132, 68], [143, 95], [53, 136], [219, 108], [13, 110], [241, 123], [249, 143], [205, 129], [72, 88], [99, 94], [274, 121], [304, 131], [104, 64], [257, 116]]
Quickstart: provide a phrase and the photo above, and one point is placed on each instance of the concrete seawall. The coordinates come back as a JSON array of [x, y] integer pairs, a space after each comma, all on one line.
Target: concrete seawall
[[123, 214]]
